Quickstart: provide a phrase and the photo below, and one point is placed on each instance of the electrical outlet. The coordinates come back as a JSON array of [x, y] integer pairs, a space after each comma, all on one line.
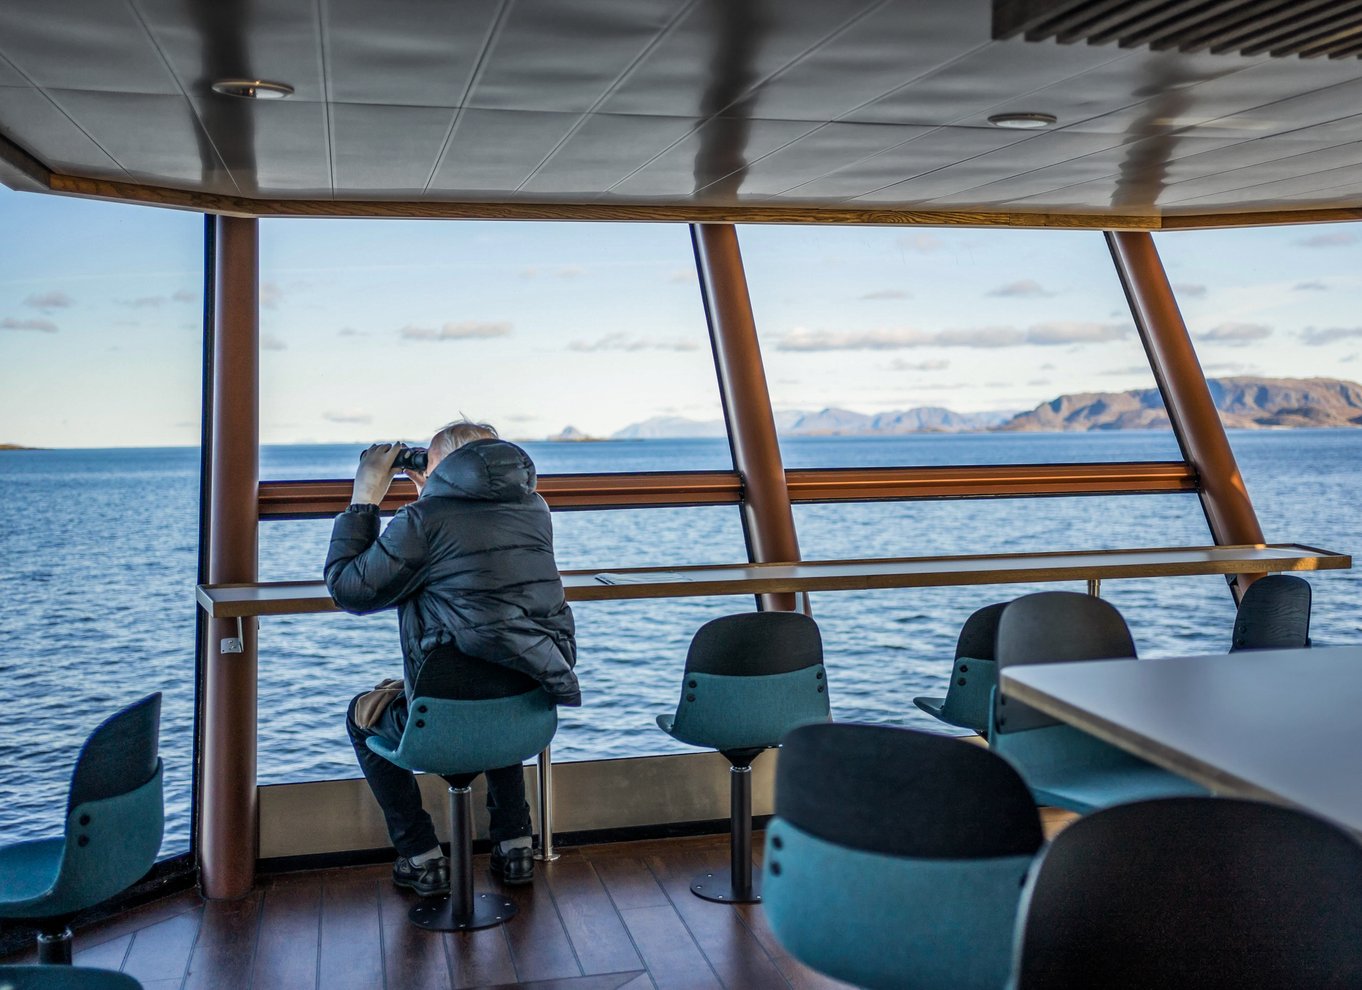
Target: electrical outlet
[[231, 645]]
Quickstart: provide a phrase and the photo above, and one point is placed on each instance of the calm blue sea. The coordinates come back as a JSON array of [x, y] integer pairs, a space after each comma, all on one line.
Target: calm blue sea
[[97, 568]]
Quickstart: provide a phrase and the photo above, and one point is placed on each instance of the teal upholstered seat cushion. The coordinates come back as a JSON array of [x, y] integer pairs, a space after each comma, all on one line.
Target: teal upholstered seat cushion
[[452, 737], [64, 978], [724, 712], [883, 921], [110, 843]]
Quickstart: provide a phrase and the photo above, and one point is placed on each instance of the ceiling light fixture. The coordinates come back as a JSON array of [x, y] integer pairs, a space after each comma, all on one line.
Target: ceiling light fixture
[[1023, 121], [253, 89]]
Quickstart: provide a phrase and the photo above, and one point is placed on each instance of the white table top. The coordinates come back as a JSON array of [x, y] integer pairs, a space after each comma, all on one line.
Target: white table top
[[1279, 725]]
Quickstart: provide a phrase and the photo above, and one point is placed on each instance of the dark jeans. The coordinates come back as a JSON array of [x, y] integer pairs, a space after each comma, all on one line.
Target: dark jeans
[[395, 789]]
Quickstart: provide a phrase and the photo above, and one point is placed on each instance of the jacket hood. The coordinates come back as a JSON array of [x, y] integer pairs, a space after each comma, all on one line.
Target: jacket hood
[[491, 470]]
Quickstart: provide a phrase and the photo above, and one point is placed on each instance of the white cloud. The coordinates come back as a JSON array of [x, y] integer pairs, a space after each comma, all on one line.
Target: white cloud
[[270, 295], [1189, 290], [1338, 238], [625, 342], [350, 332], [923, 243], [467, 330], [887, 339], [1235, 334], [143, 302], [1316, 336], [887, 294], [270, 342], [1026, 288], [40, 325], [48, 301], [899, 364], [980, 337], [185, 295], [1310, 287], [681, 275], [348, 416], [1076, 332]]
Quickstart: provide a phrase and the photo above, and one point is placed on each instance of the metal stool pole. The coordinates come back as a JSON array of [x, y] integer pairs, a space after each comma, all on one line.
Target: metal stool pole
[[546, 853], [462, 910], [738, 887]]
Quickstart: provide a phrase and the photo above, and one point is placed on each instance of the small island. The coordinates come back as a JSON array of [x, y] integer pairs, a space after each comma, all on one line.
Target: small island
[[15, 446]]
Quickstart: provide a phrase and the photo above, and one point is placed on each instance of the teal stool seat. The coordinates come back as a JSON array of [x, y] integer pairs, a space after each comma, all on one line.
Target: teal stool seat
[[64, 978], [749, 679], [115, 818], [1193, 893], [492, 717], [896, 857], [1064, 766], [973, 676]]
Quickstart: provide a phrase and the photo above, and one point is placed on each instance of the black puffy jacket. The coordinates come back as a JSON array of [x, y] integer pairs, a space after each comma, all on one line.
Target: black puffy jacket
[[469, 564]]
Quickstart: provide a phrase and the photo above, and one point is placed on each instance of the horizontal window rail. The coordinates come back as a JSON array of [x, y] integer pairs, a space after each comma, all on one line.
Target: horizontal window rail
[[319, 499]]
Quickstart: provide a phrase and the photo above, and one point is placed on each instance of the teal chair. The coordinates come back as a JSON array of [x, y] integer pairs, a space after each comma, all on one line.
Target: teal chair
[[974, 676], [115, 816], [489, 717], [1193, 893], [896, 857], [64, 978], [1064, 766], [1274, 614], [749, 679]]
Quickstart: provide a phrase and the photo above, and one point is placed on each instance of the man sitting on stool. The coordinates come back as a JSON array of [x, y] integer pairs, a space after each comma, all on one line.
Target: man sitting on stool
[[470, 567]]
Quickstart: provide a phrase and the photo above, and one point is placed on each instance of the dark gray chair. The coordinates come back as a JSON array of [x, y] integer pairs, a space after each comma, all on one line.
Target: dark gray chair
[[115, 817], [974, 675], [749, 679], [1274, 614], [896, 857], [467, 717], [1193, 893], [1064, 766]]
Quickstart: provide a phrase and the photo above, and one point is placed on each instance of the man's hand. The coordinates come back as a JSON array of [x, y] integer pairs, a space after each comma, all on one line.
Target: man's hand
[[375, 474], [417, 478]]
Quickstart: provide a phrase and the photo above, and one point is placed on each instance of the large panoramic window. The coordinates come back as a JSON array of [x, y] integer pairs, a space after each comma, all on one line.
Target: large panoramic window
[[878, 332], [585, 343], [100, 368]]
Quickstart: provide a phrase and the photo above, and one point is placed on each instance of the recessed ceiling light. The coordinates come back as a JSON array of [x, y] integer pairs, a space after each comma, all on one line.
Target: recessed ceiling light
[[1023, 121], [253, 89]]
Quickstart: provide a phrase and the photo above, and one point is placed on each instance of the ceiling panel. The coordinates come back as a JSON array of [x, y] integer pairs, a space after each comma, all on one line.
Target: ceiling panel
[[1329, 187], [720, 51], [564, 57], [819, 151], [82, 44], [389, 151], [405, 52], [494, 151], [32, 121], [222, 39], [709, 163], [603, 150], [272, 147], [9, 75]]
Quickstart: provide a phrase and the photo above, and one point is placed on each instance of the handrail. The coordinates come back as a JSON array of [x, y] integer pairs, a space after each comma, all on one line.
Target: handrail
[[637, 489]]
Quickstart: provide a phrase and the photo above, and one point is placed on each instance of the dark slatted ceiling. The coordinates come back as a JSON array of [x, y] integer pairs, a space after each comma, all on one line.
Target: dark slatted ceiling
[[861, 105], [1279, 28]]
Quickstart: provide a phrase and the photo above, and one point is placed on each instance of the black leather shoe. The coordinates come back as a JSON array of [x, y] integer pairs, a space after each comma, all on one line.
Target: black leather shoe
[[430, 879], [516, 866]]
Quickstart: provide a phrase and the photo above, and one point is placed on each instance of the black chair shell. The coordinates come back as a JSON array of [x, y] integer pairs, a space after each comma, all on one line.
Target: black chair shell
[[1274, 614], [1193, 893]]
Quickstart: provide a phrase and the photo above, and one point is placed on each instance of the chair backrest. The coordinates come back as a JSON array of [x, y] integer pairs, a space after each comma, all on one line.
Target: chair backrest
[[750, 678], [115, 816], [896, 857], [979, 635], [64, 978], [1054, 627], [1274, 614], [468, 715], [1193, 892]]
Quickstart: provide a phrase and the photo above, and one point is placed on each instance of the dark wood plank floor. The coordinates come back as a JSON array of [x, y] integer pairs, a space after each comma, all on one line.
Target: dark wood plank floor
[[608, 917]]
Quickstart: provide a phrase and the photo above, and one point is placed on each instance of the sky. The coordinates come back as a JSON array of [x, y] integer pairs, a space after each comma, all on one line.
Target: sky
[[382, 328]]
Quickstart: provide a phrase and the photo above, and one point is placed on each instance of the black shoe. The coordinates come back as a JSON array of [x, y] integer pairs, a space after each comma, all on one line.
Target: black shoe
[[514, 867], [430, 879]]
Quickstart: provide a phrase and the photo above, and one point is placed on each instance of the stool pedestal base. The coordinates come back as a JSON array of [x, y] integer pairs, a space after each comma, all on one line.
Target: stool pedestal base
[[441, 915], [719, 888]]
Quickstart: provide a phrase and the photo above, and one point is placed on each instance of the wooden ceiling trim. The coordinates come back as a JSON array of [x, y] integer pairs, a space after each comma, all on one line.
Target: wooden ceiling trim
[[20, 170], [1270, 218]]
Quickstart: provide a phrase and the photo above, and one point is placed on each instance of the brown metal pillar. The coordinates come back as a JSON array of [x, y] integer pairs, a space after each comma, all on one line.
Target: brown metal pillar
[[228, 836], [767, 518], [1196, 423]]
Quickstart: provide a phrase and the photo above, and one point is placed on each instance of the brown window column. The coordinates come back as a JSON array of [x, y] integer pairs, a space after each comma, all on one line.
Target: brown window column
[[768, 521], [1195, 419]]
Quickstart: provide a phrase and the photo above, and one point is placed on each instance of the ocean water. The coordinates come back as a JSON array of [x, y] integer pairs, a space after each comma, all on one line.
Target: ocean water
[[98, 561]]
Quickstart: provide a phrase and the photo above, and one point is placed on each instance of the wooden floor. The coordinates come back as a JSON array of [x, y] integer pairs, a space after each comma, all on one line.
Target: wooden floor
[[606, 917]]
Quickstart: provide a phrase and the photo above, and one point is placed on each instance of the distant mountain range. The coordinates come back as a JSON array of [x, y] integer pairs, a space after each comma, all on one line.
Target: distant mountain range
[[1244, 403]]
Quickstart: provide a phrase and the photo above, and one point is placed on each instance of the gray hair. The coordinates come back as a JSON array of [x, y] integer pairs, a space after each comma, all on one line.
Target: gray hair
[[454, 435]]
